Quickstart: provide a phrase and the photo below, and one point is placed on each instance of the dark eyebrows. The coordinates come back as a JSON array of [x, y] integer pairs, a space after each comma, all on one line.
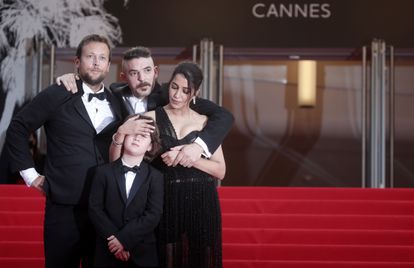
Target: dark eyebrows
[[145, 68]]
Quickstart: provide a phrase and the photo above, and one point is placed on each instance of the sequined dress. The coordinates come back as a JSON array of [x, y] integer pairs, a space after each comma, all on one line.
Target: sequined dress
[[189, 232]]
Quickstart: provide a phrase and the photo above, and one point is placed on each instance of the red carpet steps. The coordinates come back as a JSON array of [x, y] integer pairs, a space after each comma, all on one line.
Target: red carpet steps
[[317, 227], [263, 227], [21, 227]]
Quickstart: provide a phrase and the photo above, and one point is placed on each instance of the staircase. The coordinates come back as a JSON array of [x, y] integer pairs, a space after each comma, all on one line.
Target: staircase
[[21, 227], [262, 227], [317, 227]]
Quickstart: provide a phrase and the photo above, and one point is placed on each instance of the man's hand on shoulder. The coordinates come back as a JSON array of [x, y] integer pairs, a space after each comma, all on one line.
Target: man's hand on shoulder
[[69, 81]]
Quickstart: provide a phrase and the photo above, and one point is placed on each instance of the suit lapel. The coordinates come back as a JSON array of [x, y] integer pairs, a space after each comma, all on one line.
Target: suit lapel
[[120, 179], [126, 92], [79, 106], [140, 177], [115, 104], [152, 102], [116, 110]]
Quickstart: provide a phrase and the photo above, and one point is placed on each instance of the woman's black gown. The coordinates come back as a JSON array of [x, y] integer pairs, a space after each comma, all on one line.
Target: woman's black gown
[[189, 232]]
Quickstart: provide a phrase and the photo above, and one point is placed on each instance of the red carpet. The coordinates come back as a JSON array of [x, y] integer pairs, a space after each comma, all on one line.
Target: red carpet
[[317, 227], [21, 227], [263, 227]]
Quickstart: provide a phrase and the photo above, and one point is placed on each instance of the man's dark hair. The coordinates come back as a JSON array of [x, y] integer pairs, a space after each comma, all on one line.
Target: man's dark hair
[[92, 38], [136, 53]]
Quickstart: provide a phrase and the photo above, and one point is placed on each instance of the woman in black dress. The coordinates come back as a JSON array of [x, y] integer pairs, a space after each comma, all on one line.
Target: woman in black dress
[[190, 228]]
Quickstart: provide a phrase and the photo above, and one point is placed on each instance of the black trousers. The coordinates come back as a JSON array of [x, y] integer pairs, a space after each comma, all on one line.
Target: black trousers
[[69, 237]]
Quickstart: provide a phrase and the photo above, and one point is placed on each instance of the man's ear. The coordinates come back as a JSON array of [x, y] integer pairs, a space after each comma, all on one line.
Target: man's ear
[[156, 71], [122, 75], [76, 61]]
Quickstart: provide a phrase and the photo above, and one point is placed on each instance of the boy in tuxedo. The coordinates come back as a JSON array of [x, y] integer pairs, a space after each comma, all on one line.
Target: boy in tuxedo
[[125, 205]]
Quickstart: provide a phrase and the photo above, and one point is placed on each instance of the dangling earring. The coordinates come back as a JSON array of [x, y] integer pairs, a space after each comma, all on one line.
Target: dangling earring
[[194, 100]]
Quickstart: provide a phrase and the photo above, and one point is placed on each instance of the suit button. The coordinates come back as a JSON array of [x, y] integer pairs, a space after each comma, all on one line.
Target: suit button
[[127, 219]]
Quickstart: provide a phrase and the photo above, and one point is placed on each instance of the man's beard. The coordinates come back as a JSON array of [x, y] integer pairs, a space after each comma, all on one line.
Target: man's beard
[[90, 81], [138, 92]]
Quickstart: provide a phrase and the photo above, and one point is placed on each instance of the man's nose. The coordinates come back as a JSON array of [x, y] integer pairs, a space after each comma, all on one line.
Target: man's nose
[[139, 76], [95, 60]]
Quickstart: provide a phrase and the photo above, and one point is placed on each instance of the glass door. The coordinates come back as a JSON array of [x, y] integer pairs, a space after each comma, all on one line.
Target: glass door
[[276, 142]]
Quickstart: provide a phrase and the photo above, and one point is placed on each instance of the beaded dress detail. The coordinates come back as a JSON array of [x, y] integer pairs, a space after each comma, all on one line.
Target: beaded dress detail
[[189, 232]]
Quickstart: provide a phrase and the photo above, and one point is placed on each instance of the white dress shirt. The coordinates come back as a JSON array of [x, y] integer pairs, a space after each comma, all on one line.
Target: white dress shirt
[[99, 111], [129, 178], [138, 105]]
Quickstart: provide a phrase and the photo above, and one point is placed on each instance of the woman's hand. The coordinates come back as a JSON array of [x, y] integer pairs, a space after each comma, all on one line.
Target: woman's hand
[[169, 157]]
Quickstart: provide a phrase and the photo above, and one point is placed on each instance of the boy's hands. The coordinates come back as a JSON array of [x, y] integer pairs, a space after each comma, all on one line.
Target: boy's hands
[[117, 248]]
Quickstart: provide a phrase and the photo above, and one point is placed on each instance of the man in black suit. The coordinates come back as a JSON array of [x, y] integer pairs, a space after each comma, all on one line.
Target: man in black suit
[[79, 128], [140, 92], [125, 206]]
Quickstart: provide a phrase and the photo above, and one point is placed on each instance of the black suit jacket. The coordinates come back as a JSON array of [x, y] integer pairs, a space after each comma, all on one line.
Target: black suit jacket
[[132, 220], [219, 119], [73, 146]]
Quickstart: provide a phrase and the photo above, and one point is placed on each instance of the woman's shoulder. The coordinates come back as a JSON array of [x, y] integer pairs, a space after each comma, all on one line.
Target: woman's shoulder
[[199, 118]]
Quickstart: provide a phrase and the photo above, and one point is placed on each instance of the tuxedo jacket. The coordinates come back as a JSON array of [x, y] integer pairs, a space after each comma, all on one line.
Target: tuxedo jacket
[[132, 220], [219, 119], [73, 146]]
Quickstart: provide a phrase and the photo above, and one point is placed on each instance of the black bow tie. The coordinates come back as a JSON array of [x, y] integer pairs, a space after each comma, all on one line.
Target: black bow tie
[[99, 96], [134, 169]]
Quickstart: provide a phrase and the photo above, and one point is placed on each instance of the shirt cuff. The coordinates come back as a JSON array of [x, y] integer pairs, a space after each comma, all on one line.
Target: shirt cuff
[[203, 145], [29, 175]]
